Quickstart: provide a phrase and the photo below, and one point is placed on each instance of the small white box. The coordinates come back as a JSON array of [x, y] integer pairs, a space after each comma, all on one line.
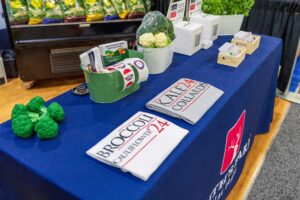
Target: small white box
[[210, 25], [188, 37]]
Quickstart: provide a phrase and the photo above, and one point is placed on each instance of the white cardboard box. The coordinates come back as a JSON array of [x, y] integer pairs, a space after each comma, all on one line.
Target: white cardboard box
[[188, 37], [210, 25]]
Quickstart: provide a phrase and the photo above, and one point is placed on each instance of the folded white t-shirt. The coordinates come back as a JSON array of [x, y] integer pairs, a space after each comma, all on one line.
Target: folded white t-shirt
[[139, 145], [186, 99]]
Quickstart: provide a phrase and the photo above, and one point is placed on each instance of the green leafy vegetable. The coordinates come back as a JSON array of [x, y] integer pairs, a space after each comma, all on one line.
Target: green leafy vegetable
[[227, 7]]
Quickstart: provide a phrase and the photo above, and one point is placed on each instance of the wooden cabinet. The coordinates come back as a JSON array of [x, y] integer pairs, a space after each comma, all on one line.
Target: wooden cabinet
[[52, 50]]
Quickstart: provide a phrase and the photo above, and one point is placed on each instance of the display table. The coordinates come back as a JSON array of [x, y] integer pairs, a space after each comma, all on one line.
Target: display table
[[201, 167]]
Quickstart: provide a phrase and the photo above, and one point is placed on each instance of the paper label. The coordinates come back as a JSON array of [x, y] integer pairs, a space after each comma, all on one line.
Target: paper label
[[139, 145], [141, 67], [127, 74]]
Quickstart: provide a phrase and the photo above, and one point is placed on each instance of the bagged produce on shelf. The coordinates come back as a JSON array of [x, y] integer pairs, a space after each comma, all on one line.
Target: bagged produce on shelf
[[73, 10], [156, 31], [136, 8], [109, 9], [94, 10], [17, 11], [53, 12], [121, 8], [35, 11], [148, 5]]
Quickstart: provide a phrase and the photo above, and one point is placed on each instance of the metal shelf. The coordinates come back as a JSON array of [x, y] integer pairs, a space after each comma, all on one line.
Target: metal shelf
[[80, 24]]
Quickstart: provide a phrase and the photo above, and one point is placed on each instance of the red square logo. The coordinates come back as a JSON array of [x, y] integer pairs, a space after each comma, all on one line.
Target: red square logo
[[192, 7], [233, 142], [173, 14]]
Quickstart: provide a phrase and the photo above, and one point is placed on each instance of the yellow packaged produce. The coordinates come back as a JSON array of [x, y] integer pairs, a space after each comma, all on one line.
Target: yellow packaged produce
[[94, 10], [120, 8], [35, 9], [17, 11]]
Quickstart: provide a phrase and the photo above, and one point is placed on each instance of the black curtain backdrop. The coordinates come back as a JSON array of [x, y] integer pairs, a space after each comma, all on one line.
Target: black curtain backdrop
[[162, 5], [279, 18]]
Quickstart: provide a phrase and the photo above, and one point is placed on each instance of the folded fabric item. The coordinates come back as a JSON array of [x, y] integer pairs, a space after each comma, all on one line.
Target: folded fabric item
[[244, 36], [139, 145], [186, 99], [230, 49]]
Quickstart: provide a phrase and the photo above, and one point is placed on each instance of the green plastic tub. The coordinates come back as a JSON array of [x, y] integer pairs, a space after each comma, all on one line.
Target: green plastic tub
[[107, 87]]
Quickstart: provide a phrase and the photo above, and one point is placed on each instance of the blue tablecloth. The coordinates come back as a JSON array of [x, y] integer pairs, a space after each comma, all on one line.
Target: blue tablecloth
[[60, 168]]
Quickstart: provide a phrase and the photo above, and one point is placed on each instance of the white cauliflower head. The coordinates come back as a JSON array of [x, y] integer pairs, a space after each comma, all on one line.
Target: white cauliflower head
[[161, 40], [147, 40]]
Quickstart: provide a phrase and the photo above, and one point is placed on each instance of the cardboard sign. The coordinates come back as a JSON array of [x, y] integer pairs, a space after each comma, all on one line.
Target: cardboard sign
[[139, 145], [176, 11], [193, 7]]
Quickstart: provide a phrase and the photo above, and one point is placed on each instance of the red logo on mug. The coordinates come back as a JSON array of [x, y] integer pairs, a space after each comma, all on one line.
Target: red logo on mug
[[126, 71], [139, 64], [129, 77], [120, 66], [129, 84], [233, 142]]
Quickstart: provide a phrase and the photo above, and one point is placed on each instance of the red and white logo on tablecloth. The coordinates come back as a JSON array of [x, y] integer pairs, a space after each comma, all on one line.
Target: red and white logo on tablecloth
[[233, 142]]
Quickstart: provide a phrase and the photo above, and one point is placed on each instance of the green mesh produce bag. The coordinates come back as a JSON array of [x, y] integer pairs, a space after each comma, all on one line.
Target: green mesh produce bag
[[17, 11], [73, 10]]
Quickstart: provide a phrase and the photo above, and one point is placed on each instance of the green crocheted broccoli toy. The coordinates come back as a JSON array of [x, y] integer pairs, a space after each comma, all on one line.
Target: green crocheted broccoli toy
[[35, 116]]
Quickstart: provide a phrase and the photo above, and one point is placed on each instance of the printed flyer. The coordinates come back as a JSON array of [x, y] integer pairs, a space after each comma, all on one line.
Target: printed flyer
[[139, 145]]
